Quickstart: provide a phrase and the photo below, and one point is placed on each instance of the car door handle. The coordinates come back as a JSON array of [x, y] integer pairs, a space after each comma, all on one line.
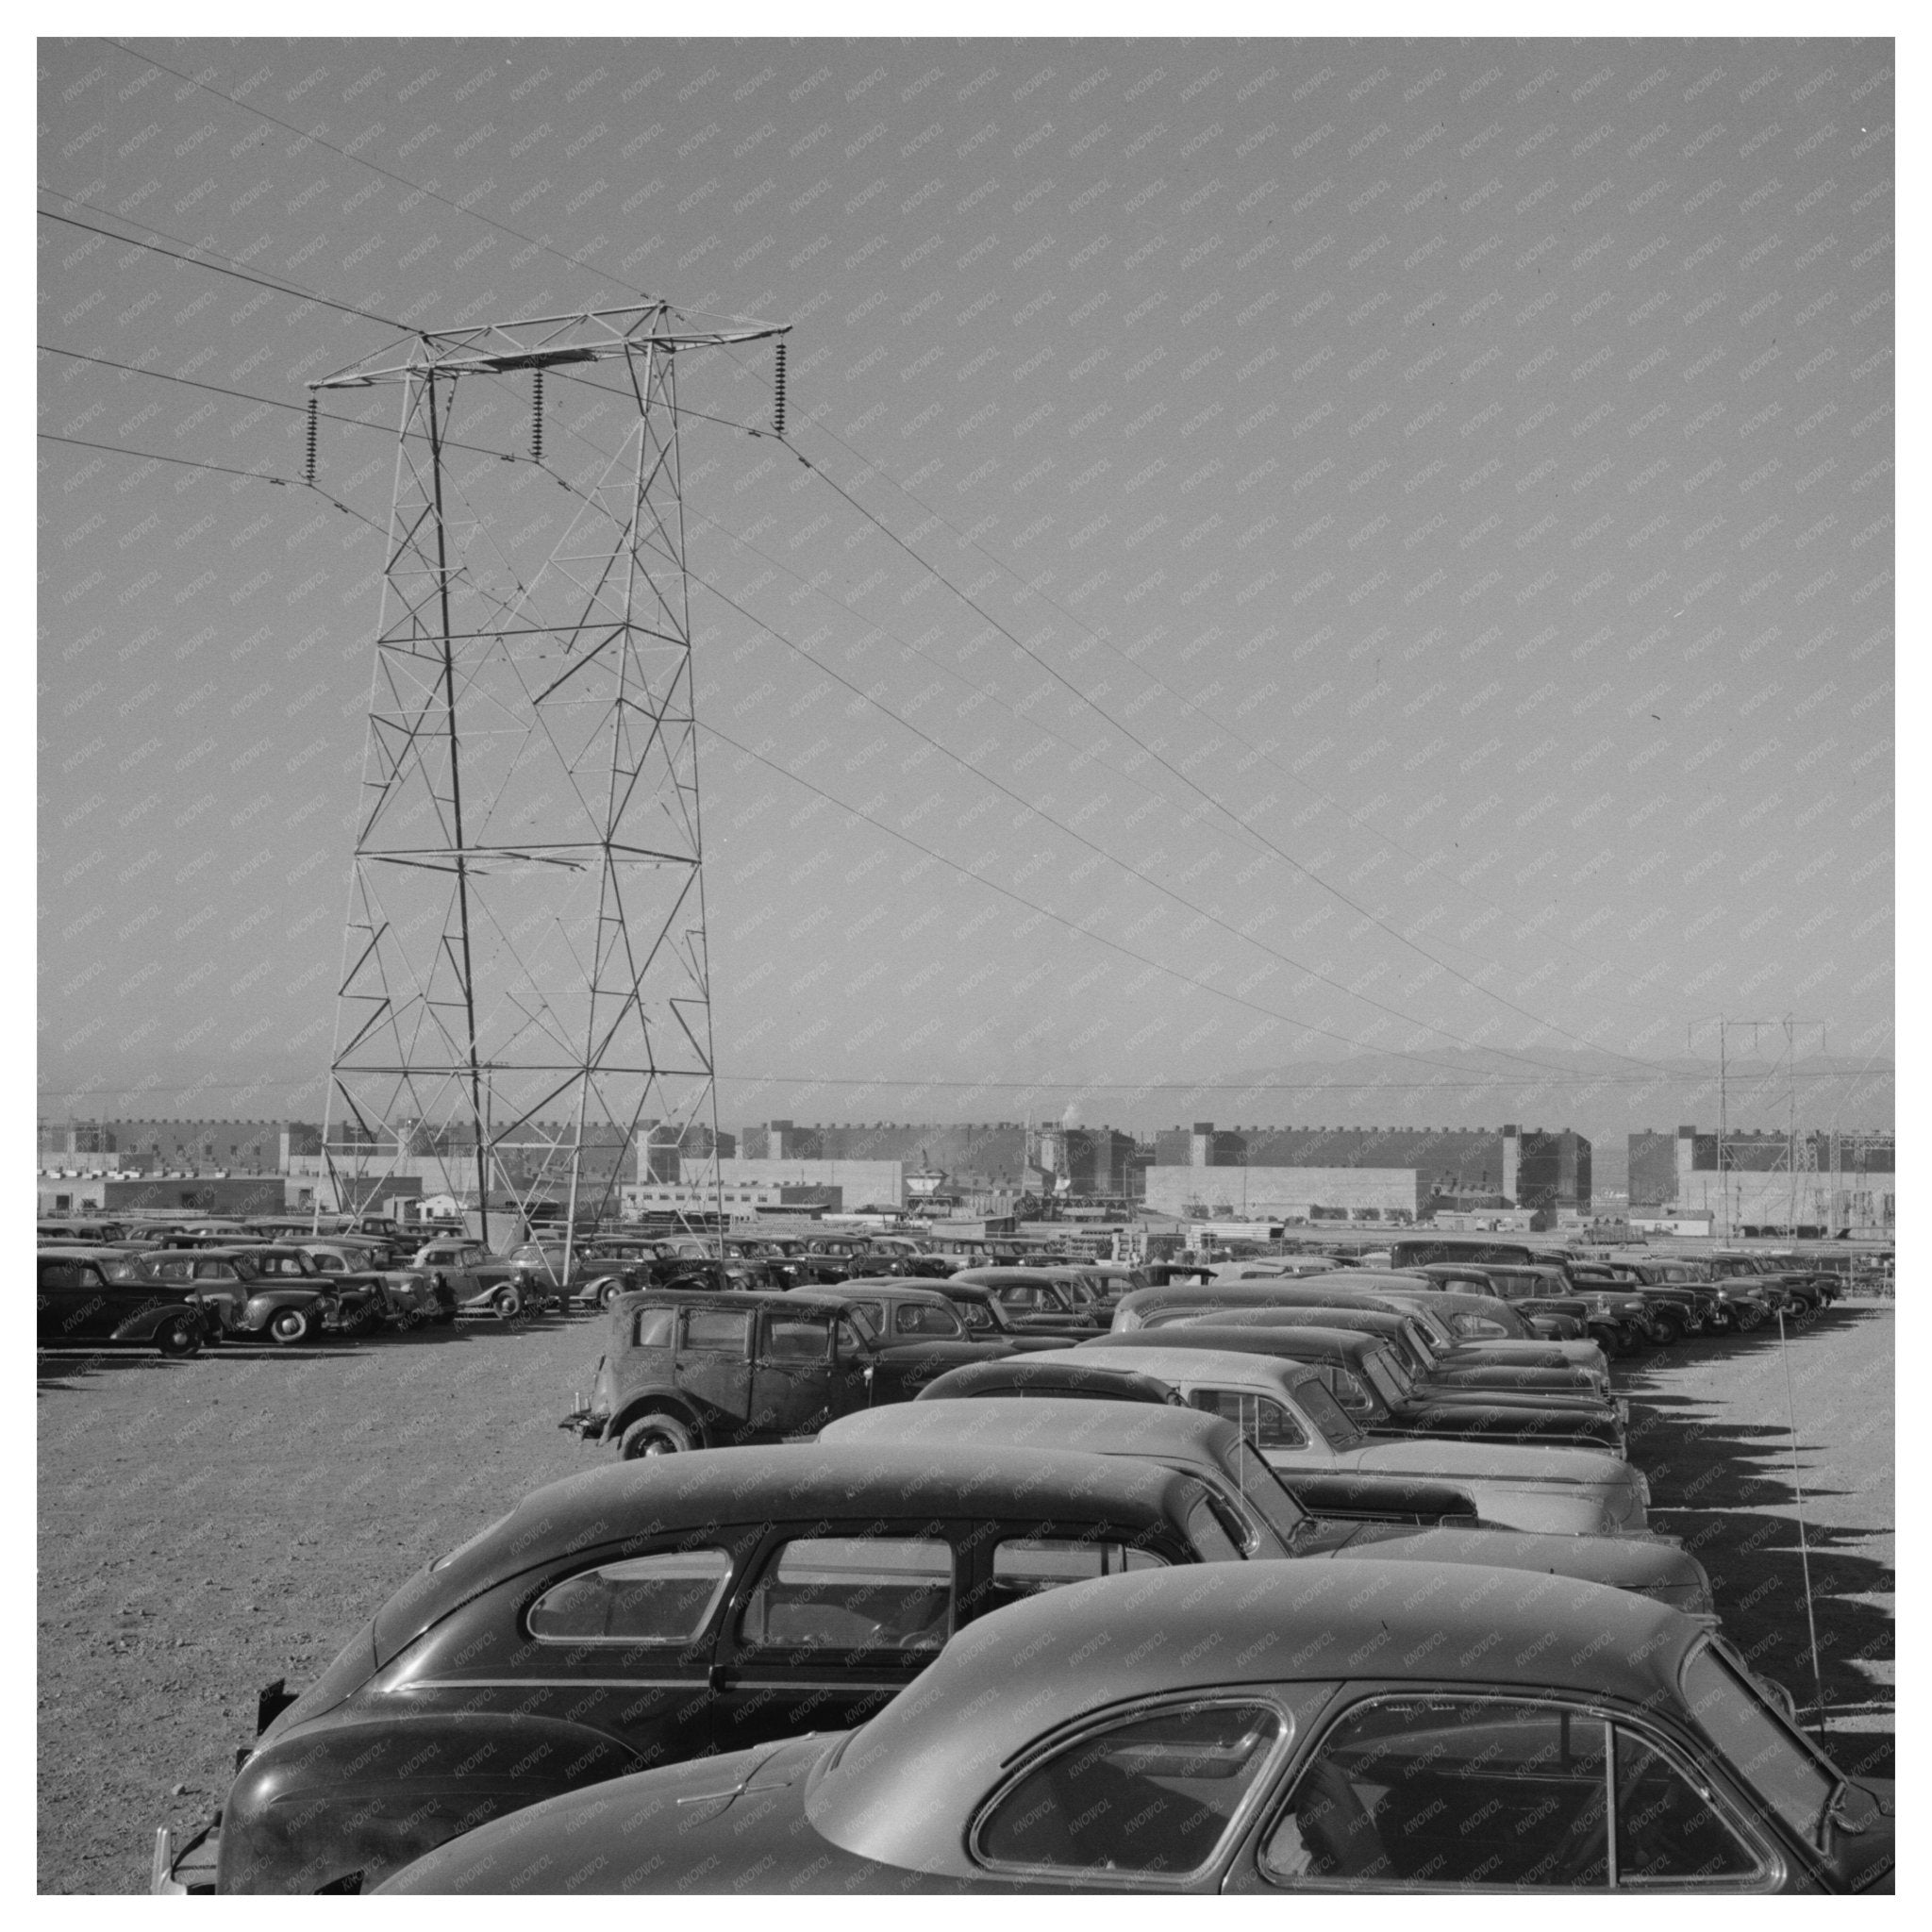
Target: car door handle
[[714, 1678]]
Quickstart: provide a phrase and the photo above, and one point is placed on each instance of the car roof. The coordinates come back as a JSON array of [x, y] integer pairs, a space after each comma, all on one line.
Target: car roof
[[1213, 1355], [1007, 1277], [1348, 1344], [894, 1793], [1050, 1368], [806, 1483], [898, 1287], [1045, 1423]]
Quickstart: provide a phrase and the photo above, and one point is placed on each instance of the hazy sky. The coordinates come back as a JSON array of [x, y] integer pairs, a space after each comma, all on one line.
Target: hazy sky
[[1455, 477]]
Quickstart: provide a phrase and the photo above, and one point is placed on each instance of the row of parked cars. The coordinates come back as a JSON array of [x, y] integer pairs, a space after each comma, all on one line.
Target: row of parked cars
[[1057, 1579], [180, 1286]]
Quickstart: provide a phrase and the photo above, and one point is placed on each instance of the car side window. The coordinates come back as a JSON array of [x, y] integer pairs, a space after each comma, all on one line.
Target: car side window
[[329, 1264], [1388, 1797], [1027, 1565], [1667, 1832], [213, 1271], [1157, 1796], [796, 1337], [1259, 1418], [717, 1330], [918, 1318], [660, 1599], [62, 1274], [853, 1593], [874, 1313], [974, 1314]]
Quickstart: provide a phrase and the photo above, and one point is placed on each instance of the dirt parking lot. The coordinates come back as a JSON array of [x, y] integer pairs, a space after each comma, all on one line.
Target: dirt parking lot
[[207, 1526]]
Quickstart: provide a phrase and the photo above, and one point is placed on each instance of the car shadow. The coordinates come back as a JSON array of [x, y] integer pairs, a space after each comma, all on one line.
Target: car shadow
[[1726, 1489]]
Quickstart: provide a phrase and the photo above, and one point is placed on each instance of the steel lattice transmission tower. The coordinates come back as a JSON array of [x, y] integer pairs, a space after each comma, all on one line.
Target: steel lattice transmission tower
[[525, 980]]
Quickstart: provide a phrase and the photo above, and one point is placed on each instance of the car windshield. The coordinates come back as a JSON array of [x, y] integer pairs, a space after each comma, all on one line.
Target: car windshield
[[1785, 1772]]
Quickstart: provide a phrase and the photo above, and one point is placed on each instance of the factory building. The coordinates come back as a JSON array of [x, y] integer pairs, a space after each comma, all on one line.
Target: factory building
[[1823, 1181], [1373, 1173]]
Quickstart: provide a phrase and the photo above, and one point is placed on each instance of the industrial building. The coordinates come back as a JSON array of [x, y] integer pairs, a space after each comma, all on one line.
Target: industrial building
[[1366, 1174], [1770, 1180]]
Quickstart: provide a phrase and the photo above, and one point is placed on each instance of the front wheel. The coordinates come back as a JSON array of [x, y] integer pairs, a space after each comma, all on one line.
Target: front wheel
[[287, 1326], [180, 1337], [653, 1434], [507, 1302]]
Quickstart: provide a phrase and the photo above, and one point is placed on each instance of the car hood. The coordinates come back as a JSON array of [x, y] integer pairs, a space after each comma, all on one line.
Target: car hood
[[732, 1822]]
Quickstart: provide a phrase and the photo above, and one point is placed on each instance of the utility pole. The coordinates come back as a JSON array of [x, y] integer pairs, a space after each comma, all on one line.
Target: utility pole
[[524, 959]]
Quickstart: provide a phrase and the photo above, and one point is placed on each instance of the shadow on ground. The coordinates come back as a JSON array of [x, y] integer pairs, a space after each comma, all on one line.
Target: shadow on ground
[[1727, 1489]]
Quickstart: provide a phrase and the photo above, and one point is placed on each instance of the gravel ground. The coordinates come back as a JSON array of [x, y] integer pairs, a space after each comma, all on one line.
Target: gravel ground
[[209, 1526]]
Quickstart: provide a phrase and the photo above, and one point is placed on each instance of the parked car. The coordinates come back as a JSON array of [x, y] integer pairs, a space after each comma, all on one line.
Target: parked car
[[409, 1297], [247, 1307], [1373, 1384], [1285, 1408], [632, 1617], [361, 1297], [1437, 1377], [685, 1370], [986, 1320], [91, 1295], [1428, 1325], [898, 1308], [1204, 1443], [480, 1283], [1543, 1293], [1253, 1732], [1037, 1302]]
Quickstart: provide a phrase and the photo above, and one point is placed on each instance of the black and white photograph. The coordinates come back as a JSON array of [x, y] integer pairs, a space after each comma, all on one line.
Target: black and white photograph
[[852, 830]]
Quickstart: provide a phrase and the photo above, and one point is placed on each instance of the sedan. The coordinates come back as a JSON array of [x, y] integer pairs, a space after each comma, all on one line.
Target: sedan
[[1258, 1731], [659, 1610]]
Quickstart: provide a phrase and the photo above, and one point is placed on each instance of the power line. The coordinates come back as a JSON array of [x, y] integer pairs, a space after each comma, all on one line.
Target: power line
[[274, 402], [1200, 790], [1186, 704], [215, 268], [143, 455]]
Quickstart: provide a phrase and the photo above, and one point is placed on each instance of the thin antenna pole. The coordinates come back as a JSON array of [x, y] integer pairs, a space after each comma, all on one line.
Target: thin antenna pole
[[455, 808], [1803, 1546]]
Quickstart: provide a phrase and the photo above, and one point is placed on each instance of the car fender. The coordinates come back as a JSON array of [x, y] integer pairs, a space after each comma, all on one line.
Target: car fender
[[661, 1402], [371, 1793]]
